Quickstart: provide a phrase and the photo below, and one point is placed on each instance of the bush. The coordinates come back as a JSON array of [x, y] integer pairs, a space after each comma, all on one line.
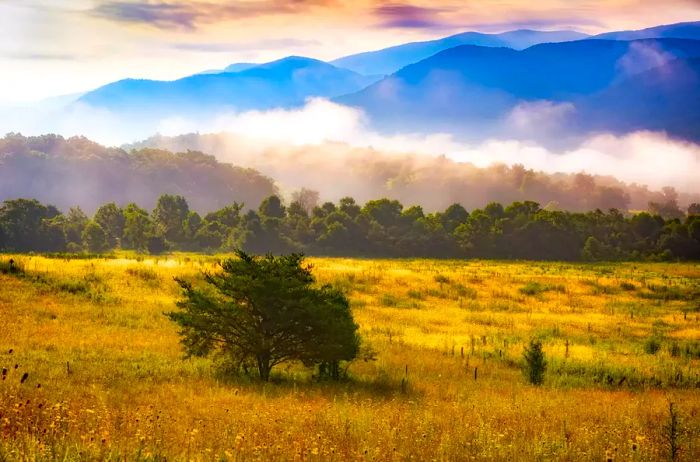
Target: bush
[[11, 267], [652, 345], [532, 288], [535, 288], [442, 279], [535, 363], [675, 350]]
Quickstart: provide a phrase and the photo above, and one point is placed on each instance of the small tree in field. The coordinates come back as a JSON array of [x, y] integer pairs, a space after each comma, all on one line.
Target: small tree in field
[[266, 310], [535, 364]]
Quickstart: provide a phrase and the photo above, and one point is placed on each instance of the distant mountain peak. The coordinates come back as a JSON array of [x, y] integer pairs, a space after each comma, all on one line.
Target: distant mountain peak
[[292, 61], [283, 83], [682, 30], [389, 60]]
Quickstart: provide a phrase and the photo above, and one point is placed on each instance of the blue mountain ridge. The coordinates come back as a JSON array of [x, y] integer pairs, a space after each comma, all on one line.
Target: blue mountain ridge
[[390, 60], [464, 87], [281, 83], [683, 30], [470, 85]]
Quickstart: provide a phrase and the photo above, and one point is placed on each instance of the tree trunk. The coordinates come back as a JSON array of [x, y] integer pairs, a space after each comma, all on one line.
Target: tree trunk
[[264, 366], [335, 370]]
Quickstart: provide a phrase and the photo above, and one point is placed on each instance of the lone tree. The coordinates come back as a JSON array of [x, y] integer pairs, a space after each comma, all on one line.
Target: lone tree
[[267, 310], [535, 363]]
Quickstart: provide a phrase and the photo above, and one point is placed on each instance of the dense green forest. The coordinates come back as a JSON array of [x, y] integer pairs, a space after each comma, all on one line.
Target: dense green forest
[[379, 228]]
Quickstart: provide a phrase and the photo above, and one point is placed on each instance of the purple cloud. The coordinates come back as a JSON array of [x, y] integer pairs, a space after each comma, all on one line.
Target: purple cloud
[[401, 15], [174, 14]]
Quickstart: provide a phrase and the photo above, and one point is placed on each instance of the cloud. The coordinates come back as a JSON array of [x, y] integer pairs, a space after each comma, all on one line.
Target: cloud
[[643, 56], [189, 15], [43, 56], [540, 120], [162, 15], [399, 15], [536, 22], [647, 158], [265, 44]]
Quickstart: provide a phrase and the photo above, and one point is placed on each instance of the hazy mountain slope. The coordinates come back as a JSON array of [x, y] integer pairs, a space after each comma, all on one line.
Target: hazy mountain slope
[[77, 171], [665, 98], [282, 83], [235, 67], [684, 30], [469, 86], [390, 60]]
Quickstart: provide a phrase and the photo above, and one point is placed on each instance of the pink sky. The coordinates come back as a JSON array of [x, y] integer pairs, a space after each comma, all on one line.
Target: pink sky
[[54, 47]]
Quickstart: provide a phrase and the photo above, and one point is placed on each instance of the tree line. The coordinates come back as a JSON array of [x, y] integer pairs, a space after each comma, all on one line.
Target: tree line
[[379, 228]]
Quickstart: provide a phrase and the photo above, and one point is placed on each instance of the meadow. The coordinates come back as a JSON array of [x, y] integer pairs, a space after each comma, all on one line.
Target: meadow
[[92, 369]]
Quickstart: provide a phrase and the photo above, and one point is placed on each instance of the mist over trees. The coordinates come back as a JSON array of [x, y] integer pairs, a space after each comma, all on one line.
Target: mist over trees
[[337, 170], [379, 228], [77, 171]]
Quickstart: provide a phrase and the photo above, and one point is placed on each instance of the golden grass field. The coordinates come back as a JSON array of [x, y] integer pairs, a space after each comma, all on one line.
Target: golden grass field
[[107, 378]]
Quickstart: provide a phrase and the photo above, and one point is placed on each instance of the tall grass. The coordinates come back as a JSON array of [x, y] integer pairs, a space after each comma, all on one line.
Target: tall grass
[[107, 379]]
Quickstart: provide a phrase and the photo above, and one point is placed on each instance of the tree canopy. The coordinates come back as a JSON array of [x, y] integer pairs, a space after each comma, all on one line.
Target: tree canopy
[[266, 311], [379, 228]]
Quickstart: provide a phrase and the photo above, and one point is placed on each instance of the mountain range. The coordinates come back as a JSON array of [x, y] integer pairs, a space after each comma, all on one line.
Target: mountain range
[[390, 60], [478, 85], [466, 82], [281, 83]]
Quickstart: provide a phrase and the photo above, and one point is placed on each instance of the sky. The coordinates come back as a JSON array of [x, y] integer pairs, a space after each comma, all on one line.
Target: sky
[[58, 47]]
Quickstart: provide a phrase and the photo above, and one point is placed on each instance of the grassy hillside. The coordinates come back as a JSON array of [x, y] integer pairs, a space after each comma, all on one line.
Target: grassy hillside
[[106, 378]]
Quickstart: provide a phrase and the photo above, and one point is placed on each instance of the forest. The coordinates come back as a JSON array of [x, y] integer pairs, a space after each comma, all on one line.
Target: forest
[[379, 228], [213, 171]]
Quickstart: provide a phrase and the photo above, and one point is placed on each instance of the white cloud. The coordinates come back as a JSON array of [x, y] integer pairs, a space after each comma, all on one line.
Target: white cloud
[[647, 158]]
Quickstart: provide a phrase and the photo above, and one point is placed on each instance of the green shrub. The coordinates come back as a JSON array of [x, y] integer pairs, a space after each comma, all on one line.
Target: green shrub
[[465, 292], [535, 288], [652, 345], [675, 350], [389, 300], [535, 363], [666, 293], [442, 279], [11, 267], [416, 294], [145, 274]]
